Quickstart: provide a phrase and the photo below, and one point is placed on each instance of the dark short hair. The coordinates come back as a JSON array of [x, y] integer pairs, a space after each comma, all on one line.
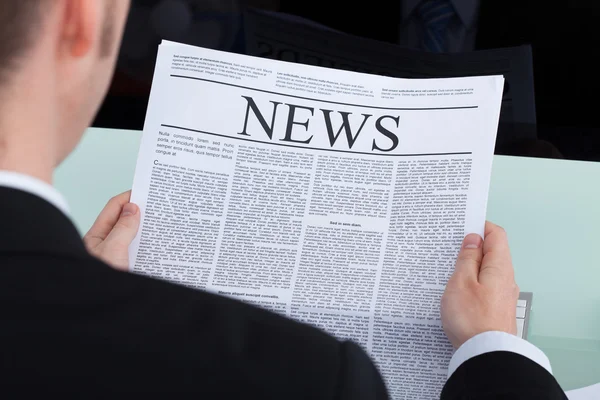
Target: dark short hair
[[19, 25]]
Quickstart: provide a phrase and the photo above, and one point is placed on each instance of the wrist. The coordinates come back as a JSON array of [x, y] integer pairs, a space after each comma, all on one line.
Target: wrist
[[492, 341]]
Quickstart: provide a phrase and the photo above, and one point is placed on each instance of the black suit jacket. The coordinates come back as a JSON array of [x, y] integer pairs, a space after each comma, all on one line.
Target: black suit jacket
[[564, 37], [565, 42], [69, 323]]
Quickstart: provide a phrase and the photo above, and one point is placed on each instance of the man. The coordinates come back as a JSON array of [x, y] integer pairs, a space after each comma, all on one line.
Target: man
[[72, 324]]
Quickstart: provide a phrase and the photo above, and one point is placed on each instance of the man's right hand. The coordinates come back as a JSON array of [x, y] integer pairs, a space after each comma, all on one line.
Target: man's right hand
[[481, 295], [114, 230]]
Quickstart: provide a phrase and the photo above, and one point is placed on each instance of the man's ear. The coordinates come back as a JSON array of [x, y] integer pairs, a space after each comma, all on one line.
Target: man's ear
[[80, 26]]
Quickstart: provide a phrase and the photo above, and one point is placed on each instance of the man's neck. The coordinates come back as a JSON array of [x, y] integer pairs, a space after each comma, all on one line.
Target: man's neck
[[27, 134], [25, 158]]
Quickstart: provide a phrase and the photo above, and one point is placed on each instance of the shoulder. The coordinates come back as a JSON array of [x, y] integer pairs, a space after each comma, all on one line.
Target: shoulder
[[166, 337]]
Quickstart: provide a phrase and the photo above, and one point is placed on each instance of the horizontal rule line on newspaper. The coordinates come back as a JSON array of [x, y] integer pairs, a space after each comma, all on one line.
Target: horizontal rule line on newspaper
[[315, 148], [326, 101]]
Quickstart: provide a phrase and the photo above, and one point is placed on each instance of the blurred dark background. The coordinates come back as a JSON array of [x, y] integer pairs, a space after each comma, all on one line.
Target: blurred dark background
[[563, 36]]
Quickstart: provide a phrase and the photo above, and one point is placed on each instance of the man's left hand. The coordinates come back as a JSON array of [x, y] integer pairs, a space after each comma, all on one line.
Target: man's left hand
[[114, 230]]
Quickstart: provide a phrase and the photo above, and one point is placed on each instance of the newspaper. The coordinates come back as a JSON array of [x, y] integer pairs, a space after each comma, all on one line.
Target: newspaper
[[336, 198]]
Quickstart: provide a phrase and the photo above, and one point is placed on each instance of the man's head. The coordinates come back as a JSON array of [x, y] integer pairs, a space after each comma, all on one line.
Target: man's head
[[56, 62]]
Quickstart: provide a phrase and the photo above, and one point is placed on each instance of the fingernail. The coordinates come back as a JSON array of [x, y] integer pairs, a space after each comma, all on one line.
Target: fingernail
[[472, 241], [129, 209]]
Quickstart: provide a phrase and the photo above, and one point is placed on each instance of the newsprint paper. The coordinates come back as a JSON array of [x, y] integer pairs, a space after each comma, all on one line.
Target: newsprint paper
[[333, 197]]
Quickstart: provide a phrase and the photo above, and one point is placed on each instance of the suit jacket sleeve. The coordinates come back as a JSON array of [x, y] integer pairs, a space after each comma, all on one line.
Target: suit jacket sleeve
[[501, 375], [359, 378]]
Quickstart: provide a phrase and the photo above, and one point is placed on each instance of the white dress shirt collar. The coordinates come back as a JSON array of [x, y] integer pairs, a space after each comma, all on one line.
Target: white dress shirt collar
[[465, 9], [35, 187]]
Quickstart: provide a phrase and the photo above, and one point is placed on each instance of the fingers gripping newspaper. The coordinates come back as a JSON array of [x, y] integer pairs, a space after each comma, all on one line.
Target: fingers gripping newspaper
[[336, 198]]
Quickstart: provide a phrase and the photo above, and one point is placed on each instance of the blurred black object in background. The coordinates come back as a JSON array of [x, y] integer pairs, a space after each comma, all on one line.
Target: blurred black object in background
[[215, 24], [563, 36]]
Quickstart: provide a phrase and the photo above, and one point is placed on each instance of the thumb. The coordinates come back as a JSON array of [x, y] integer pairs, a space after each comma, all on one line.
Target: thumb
[[120, 237], [497, 263], [469, 258]]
